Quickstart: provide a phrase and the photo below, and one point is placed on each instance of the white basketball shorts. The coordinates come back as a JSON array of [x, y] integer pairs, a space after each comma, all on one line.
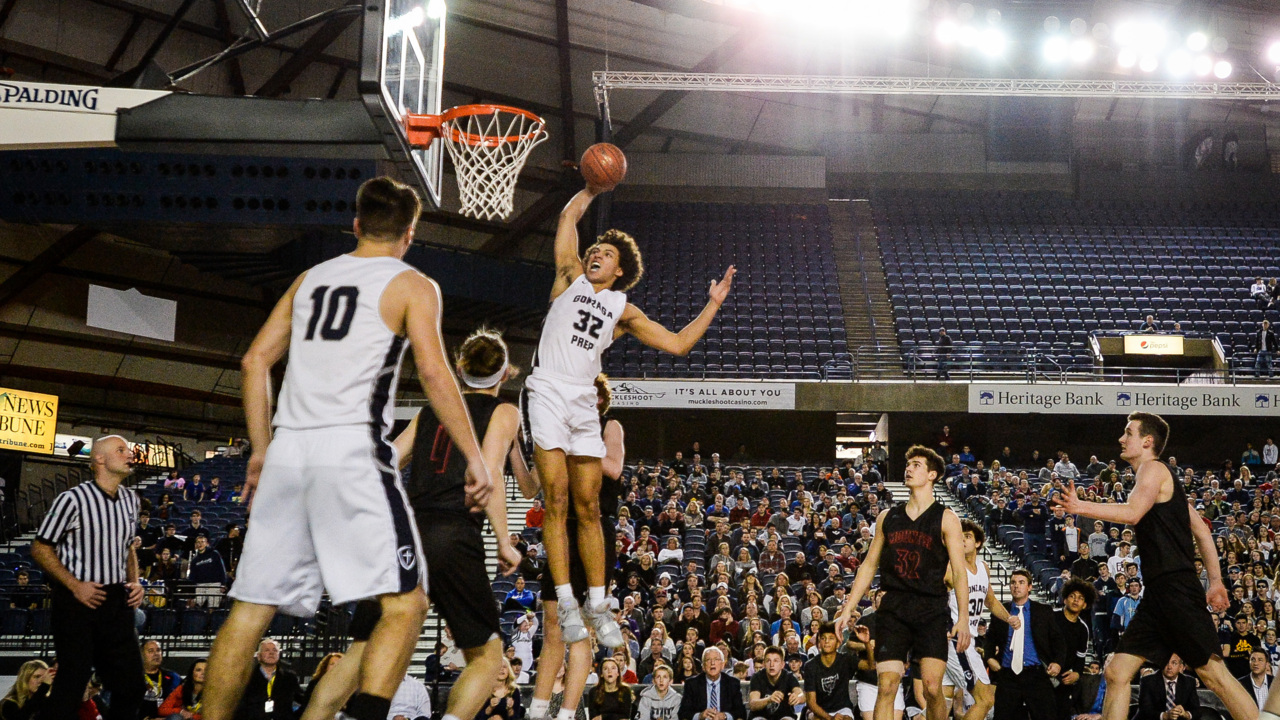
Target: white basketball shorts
[[329, 514], [956, 674], [867, 693], [562, 415]]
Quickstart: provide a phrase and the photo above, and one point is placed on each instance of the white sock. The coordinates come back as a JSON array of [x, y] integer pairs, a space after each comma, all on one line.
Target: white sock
[[595, 596], [564, 594], [566, 714], [450, 716], [538, 708], [1264, 715]]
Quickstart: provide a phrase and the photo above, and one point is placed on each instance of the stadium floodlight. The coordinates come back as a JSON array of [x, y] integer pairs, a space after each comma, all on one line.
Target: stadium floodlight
[[1079, 27], [1052, 24], [1222, 70], [1179, 63], [1202, 65], [1081, 51], [1273, 53], [436, 9], [1148, 63], [992, 42], [1197, 42], [1057, 49], [948, 33], [412, 19], [1127, 58], [1145, 37], [968, 36]]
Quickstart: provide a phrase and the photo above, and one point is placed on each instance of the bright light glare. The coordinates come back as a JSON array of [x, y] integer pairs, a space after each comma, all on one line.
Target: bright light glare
[[1081, 51], [1202, 65], [1273, 53], [411, 19], [948, 32], [1197, 41], [968, 36], [993, 42], [1222, 70], [1179, 63], [1127, 58], [1146, 37], [1148, 63], [1056, 49]]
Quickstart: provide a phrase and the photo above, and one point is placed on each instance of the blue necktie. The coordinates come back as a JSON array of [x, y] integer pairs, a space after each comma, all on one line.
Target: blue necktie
[[713, 694]]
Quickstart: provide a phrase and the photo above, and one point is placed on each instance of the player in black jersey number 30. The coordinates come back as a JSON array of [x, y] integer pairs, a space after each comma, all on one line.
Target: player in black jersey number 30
[[916, 541], [1172, 617]]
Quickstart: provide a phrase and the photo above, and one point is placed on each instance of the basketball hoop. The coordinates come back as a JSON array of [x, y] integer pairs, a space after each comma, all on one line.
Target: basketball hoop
[[489, 145]]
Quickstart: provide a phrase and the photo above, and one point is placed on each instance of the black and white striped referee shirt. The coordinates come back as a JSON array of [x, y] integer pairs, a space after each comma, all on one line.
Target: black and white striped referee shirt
[[91, 531]]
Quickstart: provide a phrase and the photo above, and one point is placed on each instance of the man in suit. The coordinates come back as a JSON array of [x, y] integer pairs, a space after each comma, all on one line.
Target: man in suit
[[1024, 655], [1168, 694], [712, 695], [1258, 682], [1266, 342]]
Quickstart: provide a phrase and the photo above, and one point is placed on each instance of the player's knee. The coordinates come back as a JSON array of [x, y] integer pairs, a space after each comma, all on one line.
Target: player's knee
[[404, 607], [887, 684], [932, 688], [587, 508], [1116, 676]]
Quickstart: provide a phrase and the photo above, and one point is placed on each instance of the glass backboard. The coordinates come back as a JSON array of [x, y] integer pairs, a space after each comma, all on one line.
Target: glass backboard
[[402, 71]]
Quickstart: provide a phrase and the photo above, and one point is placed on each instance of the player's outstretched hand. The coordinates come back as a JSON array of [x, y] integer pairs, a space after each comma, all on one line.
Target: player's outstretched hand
[[251, 475], [1217, 595], [960, 633], [1068, 499], [478, 486], [508, 558], [862, 633], [720, 290]]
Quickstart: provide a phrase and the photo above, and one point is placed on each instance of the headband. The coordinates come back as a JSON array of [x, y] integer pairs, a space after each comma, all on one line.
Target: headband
[[482, 383]]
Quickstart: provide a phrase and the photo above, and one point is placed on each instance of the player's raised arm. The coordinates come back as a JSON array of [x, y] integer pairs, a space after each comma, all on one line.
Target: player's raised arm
[[270, 344], [568, 261], [866, 573], [419, 296], [680, 343], [1145, 492]]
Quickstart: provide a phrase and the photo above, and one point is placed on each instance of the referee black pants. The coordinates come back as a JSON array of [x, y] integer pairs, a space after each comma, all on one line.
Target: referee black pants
[[1028, 694], [102, 639]]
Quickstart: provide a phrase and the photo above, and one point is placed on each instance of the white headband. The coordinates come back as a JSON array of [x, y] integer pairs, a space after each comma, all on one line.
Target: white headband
[[482, 383]]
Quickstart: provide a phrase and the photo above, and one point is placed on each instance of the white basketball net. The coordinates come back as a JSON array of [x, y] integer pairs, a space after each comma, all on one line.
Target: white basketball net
[[488, 153]]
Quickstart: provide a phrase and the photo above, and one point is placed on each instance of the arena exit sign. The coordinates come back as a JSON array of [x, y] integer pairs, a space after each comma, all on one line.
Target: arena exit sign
[[1152, 344]]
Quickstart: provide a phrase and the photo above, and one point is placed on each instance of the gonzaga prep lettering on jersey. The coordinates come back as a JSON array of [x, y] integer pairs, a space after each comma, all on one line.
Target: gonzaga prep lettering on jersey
[[344, 362], [578, 329], [978, 584]]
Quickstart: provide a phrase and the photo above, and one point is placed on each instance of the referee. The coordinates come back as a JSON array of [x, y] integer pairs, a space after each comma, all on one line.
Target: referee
[[84, 546]]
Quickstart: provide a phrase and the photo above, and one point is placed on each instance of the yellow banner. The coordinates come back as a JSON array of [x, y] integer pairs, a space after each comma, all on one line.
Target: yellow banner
[[28, 421]]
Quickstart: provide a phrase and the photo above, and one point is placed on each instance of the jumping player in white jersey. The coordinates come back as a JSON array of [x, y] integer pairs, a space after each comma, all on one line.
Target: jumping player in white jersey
[[589, 310], [329, 511], [965, 671]]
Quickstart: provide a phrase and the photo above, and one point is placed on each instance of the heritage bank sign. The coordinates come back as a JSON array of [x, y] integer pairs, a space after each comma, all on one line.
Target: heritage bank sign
[[1256, 401]]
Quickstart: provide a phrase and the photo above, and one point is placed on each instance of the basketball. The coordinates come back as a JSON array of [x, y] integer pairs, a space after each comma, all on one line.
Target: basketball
[[603, 166]]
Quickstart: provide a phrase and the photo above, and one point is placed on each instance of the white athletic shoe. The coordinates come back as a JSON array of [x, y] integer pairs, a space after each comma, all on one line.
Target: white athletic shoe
[[571, 627], [607, 631]]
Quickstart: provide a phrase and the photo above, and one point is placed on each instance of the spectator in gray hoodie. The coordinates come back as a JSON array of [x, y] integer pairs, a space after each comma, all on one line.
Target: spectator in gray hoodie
[[659, 701]]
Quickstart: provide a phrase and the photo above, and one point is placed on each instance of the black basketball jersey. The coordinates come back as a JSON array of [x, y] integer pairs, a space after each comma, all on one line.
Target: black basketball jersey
[[1164, 535], [437, 475], [914, 559]]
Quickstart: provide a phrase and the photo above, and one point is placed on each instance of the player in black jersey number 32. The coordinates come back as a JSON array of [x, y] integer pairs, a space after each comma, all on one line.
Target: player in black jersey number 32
[[915, 541], [1172, 617]]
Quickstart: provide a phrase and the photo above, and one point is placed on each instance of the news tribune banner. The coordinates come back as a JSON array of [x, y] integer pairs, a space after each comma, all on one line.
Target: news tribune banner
[[28, 421]]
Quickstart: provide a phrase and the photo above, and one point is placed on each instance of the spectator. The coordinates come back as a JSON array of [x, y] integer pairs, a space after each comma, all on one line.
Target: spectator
[[534, 515], [1265, 343], [520, 597], [195, 529], [712, 695], [1156, 689], [184, 701], [504, 703], [800, 570], [966, 456], [612, 698], [772, 561], [1094, 468], [1239, 645], [672, 552], [523, 638], [659, 701], [171, 541], [1126, 606], [434, 667], [272, 688], [196, 490], [1034, 523], [326, 663], [29, 692], [1066, 469], [166, 570], [231, 546], [206, 571], [943, 351], [24, 595], [160, 682], [1149, 326], [216, 492], [1270, 454], [411, 701], [1257, 682]]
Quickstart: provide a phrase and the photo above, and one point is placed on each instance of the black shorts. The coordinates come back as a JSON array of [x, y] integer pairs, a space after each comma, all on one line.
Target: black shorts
[[577, 573], [1172, 617], [458, 579], [912, 626]]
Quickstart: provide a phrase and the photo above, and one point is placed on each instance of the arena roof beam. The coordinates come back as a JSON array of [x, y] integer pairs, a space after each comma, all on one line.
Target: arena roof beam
[[607, 80], [130, 347], [5, 10], [319, 41], [235, 74], [568, 129], [135, 24], [49, 258], [127, 385]]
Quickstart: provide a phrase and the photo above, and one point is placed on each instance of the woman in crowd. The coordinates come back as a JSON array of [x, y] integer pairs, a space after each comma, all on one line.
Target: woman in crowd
[[325, 665], [686, 667], [626, 666], [29, 691], [742, 566], [504, 703], [184, 701], [612, 698]]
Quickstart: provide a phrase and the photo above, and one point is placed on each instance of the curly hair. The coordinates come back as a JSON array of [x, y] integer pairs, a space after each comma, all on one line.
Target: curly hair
[[628, 258], [604, 393]]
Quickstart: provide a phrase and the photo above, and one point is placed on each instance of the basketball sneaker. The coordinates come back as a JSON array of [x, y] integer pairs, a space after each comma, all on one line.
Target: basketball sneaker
[[571, 628], [607, 631]]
